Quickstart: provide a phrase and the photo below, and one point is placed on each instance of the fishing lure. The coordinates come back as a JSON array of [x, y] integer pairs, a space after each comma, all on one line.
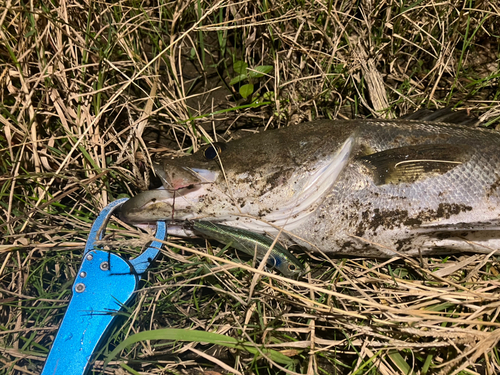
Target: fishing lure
[[253, 244]]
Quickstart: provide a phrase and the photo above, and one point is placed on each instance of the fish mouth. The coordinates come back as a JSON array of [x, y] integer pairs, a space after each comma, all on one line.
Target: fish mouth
[[160, 204], [177, 204], [179, 177]]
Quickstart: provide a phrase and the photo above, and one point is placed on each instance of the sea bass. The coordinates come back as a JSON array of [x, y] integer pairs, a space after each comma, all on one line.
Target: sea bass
[[374, 188]]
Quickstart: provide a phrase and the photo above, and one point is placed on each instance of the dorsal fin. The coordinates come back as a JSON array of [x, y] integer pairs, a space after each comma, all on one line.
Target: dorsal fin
[[409, 164], [443, 115]]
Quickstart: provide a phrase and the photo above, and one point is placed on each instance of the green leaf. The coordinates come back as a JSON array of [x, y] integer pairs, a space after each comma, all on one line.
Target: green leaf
[[269, 95], [240, 67], [260, 71], [192, 54], [237, 79], [175, 334], [246, 90], [129, 369], [400, 362]]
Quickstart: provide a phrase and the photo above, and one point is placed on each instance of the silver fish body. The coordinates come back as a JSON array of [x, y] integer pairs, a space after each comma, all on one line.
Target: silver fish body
[[360, 187], [252, 244]]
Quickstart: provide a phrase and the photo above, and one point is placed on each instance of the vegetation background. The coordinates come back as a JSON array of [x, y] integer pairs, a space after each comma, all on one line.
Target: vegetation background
[[91, 92]]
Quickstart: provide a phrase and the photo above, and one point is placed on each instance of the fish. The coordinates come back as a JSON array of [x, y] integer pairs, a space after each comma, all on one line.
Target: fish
[[364, 187], [253, 244]]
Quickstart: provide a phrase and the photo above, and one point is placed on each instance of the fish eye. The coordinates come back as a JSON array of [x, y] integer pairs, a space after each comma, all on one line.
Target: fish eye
[[292, 267], [212, 151]]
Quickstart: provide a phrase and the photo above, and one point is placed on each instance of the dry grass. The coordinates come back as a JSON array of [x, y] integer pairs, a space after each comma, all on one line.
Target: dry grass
[[91, 92]]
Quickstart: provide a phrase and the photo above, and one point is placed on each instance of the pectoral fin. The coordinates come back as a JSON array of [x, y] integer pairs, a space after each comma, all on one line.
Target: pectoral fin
[[415, 163]]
